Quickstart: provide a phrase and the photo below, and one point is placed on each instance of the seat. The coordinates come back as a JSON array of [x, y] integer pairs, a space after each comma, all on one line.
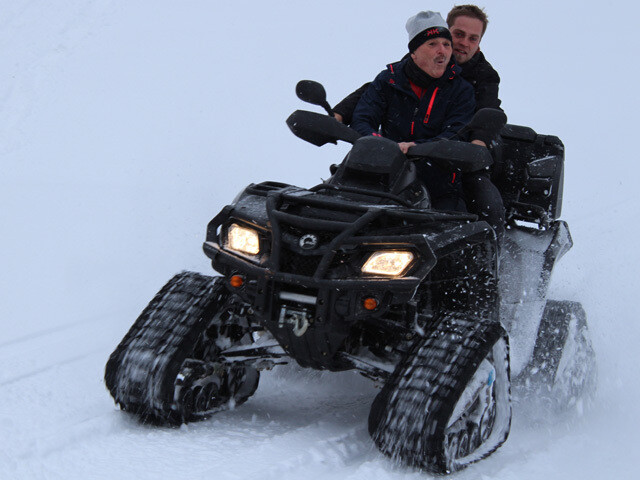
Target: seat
[[529, 173]]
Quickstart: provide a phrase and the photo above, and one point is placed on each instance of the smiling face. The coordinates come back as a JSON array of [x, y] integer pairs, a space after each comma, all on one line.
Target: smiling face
[[433, 56], [466, 33]]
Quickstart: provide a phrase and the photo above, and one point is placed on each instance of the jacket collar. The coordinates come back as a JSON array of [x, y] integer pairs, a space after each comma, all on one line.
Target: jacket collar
[[398, 78], [473, 62]]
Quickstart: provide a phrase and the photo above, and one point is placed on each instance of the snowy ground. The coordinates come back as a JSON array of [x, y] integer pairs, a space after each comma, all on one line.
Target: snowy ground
[[126, 126]]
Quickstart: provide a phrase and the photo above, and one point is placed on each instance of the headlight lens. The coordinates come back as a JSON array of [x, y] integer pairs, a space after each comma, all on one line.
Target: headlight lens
[[243, 239], [391, 263]]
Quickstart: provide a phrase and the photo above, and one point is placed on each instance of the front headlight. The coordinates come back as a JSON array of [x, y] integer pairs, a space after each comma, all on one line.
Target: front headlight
[[242, 239], [390, 262]]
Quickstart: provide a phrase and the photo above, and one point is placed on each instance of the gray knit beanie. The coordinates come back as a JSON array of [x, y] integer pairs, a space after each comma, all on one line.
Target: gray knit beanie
[[425, 26]]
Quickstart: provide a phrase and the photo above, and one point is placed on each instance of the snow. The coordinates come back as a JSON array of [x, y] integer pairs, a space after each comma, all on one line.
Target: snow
[[127, 125]]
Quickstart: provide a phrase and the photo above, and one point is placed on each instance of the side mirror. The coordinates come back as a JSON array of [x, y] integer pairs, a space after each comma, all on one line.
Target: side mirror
[[488, 120], [314, 93]]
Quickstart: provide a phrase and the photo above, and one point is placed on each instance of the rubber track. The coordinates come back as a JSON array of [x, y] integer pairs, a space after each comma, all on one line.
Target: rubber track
[[409, 416], [141, 372], [544, 378]]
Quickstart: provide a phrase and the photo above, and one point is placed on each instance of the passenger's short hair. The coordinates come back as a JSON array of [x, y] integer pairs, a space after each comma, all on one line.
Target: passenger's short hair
[[472, 11]]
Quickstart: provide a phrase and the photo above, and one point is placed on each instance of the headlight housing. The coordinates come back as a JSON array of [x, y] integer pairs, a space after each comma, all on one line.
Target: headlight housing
[[243, 240], [392, 263]]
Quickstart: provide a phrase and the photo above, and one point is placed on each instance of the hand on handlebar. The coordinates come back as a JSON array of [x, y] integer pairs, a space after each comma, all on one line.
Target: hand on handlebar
[[405, 146]]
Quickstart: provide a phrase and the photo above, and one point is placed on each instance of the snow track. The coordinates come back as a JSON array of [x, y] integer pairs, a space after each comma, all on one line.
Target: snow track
[[325, 436], [58, 421], [297, 421], [47, 349]]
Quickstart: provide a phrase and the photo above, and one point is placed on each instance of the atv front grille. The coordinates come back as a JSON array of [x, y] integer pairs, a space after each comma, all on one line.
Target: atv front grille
[[294, 258], [318, 236], [291, 262]]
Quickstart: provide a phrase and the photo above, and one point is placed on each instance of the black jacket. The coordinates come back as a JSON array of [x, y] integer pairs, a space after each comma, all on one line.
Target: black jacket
[[447, 104], [484, 79], [477, 71]]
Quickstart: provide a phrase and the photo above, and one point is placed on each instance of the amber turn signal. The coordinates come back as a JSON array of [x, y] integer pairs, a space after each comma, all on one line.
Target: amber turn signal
[[370, 303], [236, 281]]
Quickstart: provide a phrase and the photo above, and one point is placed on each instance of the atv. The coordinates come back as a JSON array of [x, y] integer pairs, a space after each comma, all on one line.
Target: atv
[[361, 273]]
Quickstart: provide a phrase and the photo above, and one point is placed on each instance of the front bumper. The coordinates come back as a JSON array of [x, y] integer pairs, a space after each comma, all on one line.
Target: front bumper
[[313, 318]]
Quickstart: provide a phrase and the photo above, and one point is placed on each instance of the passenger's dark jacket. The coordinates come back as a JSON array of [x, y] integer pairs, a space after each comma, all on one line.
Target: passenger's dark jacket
[[477, 71], [484, 79], [445, 107]]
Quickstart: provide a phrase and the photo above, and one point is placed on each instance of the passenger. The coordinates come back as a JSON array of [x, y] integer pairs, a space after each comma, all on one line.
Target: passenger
[[419, 99], [468, 23]]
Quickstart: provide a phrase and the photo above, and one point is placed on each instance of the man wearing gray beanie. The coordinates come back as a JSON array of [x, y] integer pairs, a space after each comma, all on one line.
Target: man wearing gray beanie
[[419, 99]]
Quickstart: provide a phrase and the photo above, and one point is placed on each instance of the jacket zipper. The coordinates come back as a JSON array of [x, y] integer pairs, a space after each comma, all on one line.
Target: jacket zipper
[[413, 122], [428, 114], [433, 99]]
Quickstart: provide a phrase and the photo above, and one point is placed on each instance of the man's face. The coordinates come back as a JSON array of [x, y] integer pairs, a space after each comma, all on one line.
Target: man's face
[[466, 33], [433, 56]]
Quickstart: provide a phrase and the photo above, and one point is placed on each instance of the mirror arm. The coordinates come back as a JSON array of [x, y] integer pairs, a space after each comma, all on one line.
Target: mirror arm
[[328, 108]]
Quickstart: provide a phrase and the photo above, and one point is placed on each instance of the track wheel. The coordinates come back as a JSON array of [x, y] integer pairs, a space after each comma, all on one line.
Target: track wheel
[[447, 404]]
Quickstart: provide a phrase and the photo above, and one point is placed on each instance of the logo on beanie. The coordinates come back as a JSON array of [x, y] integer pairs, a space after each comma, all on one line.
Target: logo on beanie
[[433, 31]]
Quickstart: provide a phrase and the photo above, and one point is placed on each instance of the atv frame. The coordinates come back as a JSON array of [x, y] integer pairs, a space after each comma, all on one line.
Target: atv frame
[[436, 332]]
